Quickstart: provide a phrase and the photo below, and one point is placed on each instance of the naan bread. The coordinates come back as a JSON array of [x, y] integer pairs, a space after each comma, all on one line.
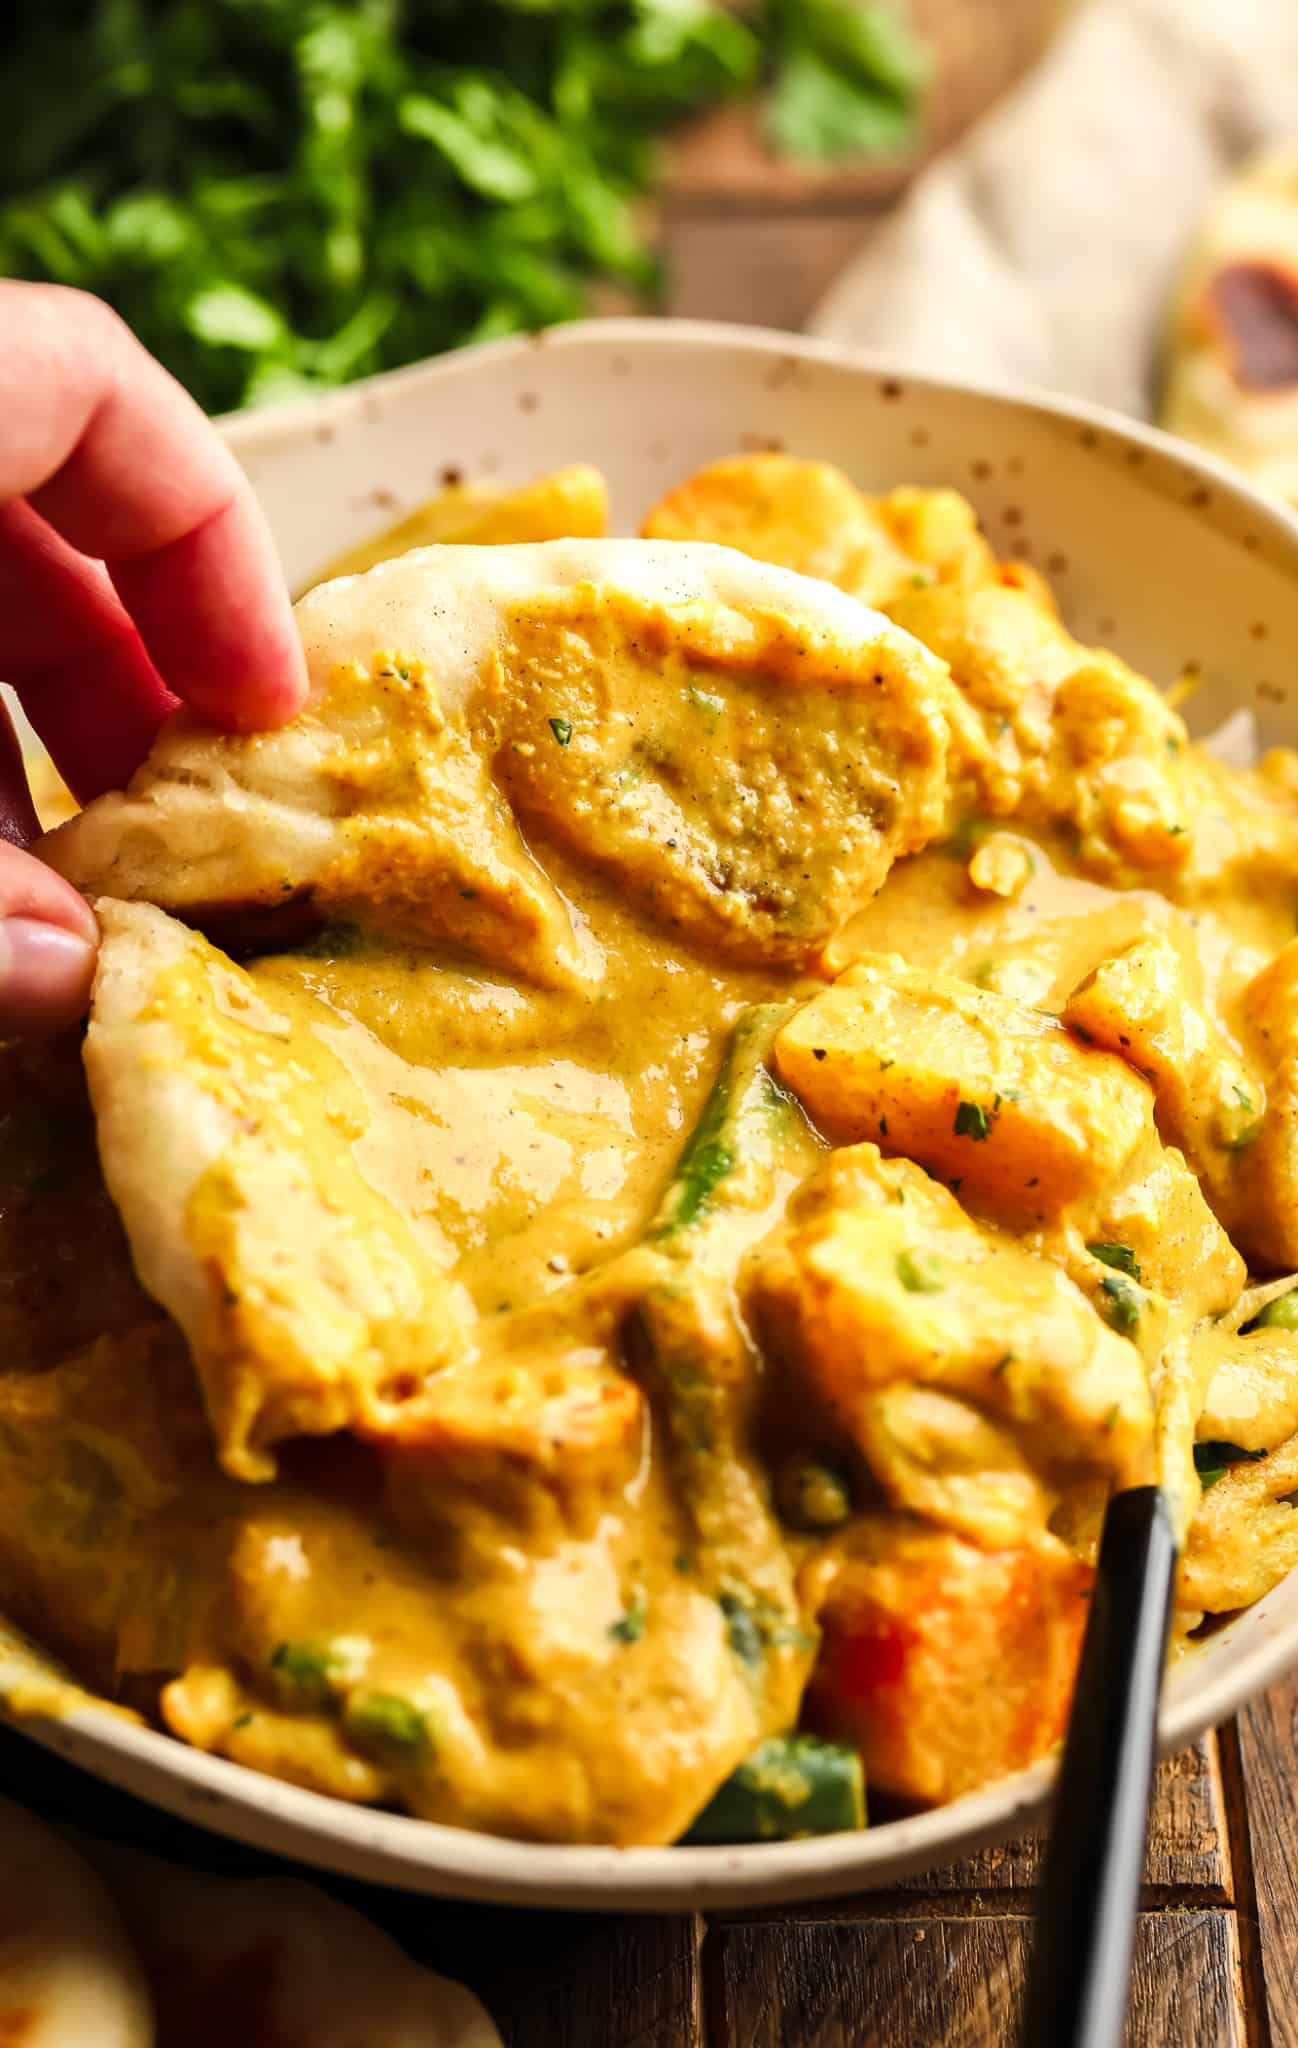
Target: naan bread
[[1232, 351], [746, 750], [240, 1962], [68, 1978], [226, 1128]]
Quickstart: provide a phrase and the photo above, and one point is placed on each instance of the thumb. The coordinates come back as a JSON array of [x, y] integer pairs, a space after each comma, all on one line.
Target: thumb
[[48, 938]]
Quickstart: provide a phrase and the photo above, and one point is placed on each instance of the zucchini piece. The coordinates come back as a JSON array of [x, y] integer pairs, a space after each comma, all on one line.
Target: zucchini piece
[[791, 1785], [741, 1124]]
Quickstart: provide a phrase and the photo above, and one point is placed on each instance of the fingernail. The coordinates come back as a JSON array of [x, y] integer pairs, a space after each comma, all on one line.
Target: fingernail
[[45, 976]]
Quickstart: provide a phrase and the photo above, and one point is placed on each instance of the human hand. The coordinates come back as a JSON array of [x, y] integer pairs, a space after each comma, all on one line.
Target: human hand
[[135, 569]]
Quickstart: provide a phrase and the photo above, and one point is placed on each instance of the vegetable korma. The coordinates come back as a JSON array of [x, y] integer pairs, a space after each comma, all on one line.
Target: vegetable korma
[[638, 1175]]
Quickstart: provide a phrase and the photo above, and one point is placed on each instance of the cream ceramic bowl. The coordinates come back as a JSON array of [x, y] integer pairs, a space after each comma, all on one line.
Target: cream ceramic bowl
[[1152, 549]]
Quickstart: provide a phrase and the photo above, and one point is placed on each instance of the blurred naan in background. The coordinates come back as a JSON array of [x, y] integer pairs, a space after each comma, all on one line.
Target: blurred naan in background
[[104, 1948], [1232, 357]]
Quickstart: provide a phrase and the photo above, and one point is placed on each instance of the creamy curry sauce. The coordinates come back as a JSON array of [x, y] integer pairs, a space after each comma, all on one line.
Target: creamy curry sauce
[[788, 1422]]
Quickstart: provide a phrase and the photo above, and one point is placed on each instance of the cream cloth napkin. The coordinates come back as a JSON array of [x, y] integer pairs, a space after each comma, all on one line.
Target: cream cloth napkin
[[100, 1947], [1041, 249]]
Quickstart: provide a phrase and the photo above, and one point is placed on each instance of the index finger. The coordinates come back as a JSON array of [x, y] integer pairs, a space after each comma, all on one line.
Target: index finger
[[119, 460]]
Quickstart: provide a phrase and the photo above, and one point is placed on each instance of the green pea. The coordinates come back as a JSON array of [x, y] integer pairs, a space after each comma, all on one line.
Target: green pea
[[386, 1728], [919, 1273], [1280, 1314], [812, 1495], [302, 1672]]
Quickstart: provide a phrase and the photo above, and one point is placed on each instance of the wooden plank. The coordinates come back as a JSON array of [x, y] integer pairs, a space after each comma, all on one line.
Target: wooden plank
[[560, 1980], [1188, 1841], [951, 1983], [1267, 1844], [1188, 1861], [767, 270], [633, 1981]]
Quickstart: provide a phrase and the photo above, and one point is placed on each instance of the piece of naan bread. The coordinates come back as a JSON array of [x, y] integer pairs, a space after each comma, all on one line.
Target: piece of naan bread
[[68, 1976], [226, 1127], [1231, 378], [745, 750], [246, 1961]]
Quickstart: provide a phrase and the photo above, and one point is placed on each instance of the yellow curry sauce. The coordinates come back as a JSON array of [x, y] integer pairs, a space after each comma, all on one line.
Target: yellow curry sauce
[[756, 1301]]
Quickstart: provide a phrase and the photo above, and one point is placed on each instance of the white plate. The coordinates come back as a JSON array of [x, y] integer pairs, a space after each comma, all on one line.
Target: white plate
[[1151, 547]]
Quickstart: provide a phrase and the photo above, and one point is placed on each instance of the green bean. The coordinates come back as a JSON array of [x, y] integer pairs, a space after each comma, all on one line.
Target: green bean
[[1212, 1461], [791, 1785], [740, 1119]]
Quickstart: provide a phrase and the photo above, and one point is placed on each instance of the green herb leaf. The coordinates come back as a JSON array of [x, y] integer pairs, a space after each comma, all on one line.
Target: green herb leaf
[[562, 730], [1120, 1303], [972, 1121], [742, 1631], [630, 1627], [1119, 1256], [919, 1273], [1213, 1460]]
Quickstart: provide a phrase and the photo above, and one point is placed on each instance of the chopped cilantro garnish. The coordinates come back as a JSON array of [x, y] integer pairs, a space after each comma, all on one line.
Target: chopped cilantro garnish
[[562, 730], [1119, 1256], [972, 1121], [919, 1273], [1120, 1303], [1213, 1460], [630, 1627]]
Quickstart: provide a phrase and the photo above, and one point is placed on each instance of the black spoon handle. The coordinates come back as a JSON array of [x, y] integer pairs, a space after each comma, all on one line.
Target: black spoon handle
[[1086, 1913]]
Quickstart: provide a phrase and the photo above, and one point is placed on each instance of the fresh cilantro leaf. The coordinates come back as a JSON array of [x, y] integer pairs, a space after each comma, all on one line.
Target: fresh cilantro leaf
[[1119, 1256], [972, 1121], [1213, 1460]]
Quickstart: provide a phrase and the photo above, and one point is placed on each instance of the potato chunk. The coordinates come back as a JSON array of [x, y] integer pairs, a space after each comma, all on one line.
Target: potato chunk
[[1146, 1005], [809, 516], [1252, 1397], [804, 515], [1244, 1537], [983, 1092], [880, 1279], [1266, 1174], [946, 1665], [569, 504]]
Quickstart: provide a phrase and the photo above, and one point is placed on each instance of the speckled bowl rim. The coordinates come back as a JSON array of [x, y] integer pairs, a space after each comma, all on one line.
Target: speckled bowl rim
[[427, 1857]]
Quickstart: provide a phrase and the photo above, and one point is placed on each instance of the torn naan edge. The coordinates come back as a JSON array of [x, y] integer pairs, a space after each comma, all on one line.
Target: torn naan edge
[[280, 1962], [744, 749], [68, 1977], [226, 1128], [1231, 370]]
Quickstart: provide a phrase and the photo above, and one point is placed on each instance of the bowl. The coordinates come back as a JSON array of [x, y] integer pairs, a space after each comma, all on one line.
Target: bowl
[[1151, 547]]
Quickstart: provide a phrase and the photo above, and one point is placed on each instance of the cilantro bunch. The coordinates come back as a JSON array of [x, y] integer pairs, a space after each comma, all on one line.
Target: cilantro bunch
[[280, 195]]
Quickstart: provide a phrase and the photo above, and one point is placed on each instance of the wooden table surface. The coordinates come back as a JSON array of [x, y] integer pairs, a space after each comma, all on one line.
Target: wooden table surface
[[937, 1962]]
